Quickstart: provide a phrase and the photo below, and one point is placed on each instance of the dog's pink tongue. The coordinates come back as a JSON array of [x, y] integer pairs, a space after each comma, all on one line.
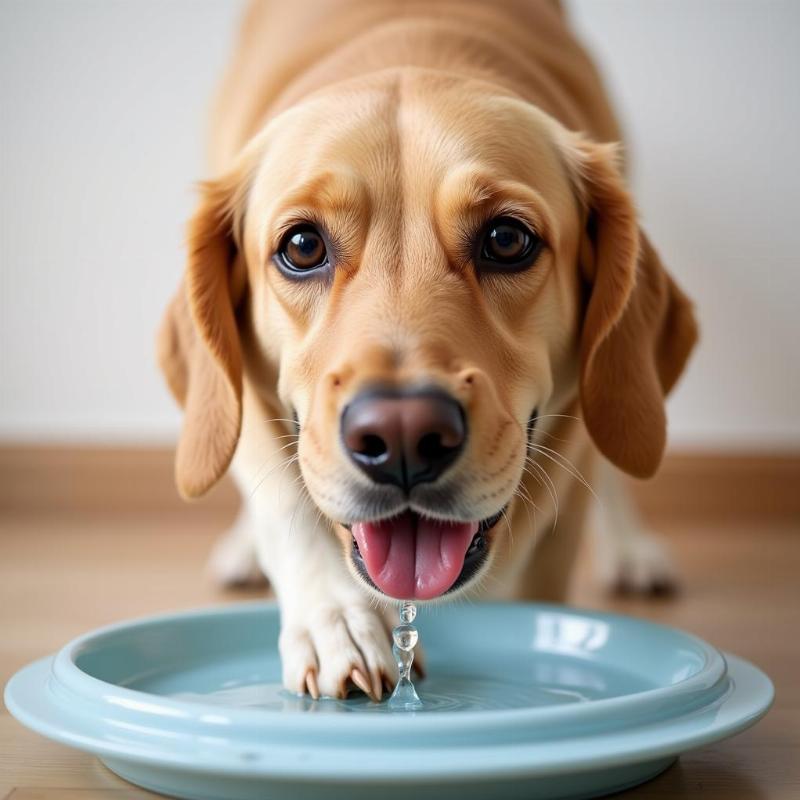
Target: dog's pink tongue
[[408, 557]]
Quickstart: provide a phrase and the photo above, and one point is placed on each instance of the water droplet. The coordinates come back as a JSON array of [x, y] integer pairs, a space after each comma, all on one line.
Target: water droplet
[[408, 612], [405, 637]]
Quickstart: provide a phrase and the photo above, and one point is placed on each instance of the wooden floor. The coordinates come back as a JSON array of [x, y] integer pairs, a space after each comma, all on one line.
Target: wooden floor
[[60, 576]]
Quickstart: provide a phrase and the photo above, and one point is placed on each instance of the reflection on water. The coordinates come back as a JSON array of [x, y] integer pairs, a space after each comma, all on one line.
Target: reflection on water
[[454, 693], [558, 670], [575, 676], [546, 680], [570, 635]]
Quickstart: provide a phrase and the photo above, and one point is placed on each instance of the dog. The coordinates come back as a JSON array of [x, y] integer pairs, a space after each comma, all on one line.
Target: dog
[[418, 312]]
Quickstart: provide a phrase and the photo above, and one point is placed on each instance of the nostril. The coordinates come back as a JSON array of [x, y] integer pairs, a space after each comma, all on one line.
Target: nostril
[[431, 447], [372, 447], [403, 437]]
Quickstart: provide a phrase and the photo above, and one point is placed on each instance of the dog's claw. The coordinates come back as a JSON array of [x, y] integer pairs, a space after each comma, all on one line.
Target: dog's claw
[[334, 651], [360, 680], [377, 687], [311, 684]]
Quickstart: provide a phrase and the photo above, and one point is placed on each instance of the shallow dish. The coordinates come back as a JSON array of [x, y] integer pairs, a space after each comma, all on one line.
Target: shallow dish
[[523, 701]]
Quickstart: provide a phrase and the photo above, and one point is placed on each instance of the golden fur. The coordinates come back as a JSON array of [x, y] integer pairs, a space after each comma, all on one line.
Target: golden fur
[[401, 127]]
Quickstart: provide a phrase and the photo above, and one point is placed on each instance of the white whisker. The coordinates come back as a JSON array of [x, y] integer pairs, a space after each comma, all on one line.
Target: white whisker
[[508, 525], [271, 457], [281, 419], [291, 459], [565, 464], [551, 488]]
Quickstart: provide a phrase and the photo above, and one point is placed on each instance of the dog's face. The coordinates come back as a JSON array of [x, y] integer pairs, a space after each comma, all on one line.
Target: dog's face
[[411, 253], [429, 266]]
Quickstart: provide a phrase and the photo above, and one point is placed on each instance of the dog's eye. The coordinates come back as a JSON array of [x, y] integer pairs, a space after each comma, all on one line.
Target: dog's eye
[[507, 245], [303, 249]]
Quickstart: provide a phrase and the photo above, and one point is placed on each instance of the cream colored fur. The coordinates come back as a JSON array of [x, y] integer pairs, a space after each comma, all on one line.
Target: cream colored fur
[[400, 128]]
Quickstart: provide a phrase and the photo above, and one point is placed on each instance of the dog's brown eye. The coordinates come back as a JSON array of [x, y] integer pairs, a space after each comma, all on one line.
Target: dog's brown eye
[[303, 249], [508, 245]]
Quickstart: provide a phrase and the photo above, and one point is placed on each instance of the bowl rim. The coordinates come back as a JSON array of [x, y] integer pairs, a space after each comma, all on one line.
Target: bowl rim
[[747, 700], [71, 682]]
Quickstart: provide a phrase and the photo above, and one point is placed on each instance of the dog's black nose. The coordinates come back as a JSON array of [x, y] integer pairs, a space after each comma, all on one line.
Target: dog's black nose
[[403, 438]]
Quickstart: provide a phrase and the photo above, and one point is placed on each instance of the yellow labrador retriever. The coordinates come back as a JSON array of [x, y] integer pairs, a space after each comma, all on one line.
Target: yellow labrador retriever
[[417, 305]]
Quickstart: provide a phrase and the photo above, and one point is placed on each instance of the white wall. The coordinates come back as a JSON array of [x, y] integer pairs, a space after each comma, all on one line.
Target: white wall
[[103, 118], [104, 110], [710, 99]]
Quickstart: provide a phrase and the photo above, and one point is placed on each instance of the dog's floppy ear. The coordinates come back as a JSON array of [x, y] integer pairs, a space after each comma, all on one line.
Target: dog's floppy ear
[[198, 343], [638, 328]]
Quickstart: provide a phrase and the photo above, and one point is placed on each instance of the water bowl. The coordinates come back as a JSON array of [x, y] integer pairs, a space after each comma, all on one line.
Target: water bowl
[[521, 701]]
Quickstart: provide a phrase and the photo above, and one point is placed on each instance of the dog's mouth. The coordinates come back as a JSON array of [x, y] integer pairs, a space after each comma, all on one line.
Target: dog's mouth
[[414, 557]]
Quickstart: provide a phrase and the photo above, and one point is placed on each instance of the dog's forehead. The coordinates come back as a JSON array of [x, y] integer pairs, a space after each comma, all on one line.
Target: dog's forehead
[[408, 132], [473, 122]]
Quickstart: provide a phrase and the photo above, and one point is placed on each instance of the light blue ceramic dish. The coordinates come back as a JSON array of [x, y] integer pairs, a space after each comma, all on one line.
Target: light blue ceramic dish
[[523, 701]]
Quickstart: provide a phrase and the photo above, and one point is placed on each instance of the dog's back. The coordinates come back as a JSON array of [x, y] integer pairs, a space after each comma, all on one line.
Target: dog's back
[[286, 51]]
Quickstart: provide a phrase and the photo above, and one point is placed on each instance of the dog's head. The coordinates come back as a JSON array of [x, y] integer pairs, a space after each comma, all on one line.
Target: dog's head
[[418, 267]]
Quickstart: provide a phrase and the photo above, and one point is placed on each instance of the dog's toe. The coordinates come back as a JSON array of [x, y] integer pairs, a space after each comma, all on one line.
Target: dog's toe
[[341, 650], [299, 661], [373, 641], [641, 565]]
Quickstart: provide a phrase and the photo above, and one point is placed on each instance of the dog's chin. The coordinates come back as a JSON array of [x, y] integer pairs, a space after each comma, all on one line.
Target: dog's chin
[[476, 558]]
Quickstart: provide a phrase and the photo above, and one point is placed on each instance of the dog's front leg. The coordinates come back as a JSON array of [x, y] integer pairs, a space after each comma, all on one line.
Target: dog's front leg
[[630, 557], [331, 635]]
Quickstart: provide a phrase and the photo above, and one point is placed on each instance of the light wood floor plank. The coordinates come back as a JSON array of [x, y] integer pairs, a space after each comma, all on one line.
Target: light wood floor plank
[[62, 575]]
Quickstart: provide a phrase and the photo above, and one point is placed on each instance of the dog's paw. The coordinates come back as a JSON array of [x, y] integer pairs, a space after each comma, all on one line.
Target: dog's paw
[[333, 650], [639, 564], [233, 560]]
